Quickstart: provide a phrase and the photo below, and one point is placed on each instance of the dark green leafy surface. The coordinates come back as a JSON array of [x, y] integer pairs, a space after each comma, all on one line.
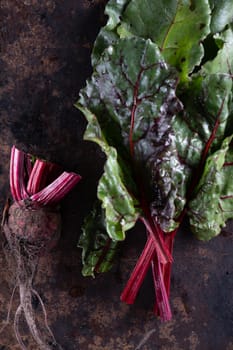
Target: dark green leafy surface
[[133, 90], [176, 26], [213, 202], [222, 63], [222, 14], [120, 207], [98, 250], [166, 156], [108, 34]]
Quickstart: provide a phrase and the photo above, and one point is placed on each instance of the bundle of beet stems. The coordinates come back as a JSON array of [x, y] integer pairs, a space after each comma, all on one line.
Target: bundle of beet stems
[[32, 226]]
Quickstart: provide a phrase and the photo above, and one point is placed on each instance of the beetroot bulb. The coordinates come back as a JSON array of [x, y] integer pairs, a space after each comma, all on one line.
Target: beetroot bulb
[[32, 226]]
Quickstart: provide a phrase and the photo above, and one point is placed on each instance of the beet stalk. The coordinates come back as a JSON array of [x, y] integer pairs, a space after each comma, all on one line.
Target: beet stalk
[[32, 227]]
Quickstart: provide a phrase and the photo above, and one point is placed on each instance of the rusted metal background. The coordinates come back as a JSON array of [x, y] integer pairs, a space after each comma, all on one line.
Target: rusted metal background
[[45, 58]]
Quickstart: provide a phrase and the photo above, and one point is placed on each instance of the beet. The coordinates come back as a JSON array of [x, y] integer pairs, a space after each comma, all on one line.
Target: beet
[[32, 227], [34, 224], [30, 231]]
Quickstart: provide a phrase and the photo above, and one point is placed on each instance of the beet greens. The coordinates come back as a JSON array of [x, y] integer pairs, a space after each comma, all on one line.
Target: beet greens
[[159, 104]]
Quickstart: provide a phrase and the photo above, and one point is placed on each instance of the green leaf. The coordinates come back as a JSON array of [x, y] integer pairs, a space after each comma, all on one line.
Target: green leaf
[[217, 77], [202, 144], [165, 157], [132, 94], [113, 10], [98, 250], [213, 202], [207, 103], [195, 133], [222, 14], [223, 62], [108, 34], [105, 39], [120, 207], [176, 26]]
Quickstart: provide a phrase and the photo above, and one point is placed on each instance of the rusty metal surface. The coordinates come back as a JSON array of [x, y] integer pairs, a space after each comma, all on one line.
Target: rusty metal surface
[[44, 61]]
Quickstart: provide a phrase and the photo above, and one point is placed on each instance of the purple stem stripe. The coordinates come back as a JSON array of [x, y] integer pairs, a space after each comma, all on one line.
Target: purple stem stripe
[[42, 174], [36, 178], [139, 272], [54, 192], [229, 196], [162, 299], [17, 174], [163, 253]]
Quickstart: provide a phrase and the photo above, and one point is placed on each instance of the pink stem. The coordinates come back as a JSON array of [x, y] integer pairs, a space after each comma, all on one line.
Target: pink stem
[[169, 239], [155, 232], [17, 174], [162, 306], [161, 270], [140, 270], [54, 192], [41, 175], [165, 270], [36, 178]]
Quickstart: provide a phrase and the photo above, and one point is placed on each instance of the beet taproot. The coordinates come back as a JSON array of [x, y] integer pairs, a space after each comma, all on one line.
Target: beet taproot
[[34, 224]]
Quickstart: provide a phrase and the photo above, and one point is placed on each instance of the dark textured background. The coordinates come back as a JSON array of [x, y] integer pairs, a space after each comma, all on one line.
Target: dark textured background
[[45, 58]]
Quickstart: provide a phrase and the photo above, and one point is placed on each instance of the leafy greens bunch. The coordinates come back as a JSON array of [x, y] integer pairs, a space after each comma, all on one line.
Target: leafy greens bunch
[[159, 104]]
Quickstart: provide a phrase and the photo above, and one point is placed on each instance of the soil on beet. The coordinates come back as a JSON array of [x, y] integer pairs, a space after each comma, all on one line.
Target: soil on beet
[[45, 50], [34, 224]]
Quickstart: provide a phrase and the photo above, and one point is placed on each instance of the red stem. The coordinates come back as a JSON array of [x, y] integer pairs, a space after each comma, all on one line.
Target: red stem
[[163, 253], [169, 239], [162, 305], [37, 177], [140, 270], [42, 174], [159, 246], [17, 174], [161, 270], [166, 273], [54, 192]]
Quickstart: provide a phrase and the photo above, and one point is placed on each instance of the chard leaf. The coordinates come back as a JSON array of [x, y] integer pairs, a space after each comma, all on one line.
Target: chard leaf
[[155, 155], [196, 133], [113, 10], [176, 26], [120, 207], [165, 158], [203, 126], [215, 85], [222, 14], [201, 141], [223, 62], [108, 34], [132, 95], [98, 249], [105, 39], [212, 204]]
